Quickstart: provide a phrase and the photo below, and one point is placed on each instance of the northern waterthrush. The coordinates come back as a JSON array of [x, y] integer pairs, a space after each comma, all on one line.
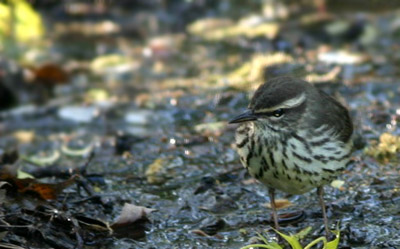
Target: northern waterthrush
[[294, 138]]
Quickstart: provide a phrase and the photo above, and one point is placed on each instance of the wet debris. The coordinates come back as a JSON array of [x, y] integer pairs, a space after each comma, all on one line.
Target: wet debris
[[124, 142], [51, 227], [56, 224], [206, 183], [211, 226], [219, 204]]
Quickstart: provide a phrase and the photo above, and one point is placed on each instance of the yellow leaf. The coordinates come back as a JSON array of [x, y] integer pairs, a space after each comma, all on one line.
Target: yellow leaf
[[280, 204]]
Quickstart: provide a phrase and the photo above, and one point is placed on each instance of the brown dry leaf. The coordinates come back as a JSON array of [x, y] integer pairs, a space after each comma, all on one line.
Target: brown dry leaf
[[47, 191], [280, 204], [131, 213], [50, 74], [200, 233], [9, 174]]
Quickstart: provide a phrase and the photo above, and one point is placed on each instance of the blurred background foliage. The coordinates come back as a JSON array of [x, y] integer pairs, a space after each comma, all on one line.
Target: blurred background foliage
[[20, 24]]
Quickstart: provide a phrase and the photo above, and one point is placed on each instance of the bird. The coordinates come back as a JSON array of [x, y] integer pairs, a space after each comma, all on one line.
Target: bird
[[294, 138]]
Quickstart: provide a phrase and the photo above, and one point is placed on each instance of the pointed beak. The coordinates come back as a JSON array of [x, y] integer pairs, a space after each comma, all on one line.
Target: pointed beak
[[244, 117]]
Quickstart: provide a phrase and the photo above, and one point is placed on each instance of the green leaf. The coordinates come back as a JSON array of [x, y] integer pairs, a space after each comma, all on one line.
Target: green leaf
[[269, 246], [334, 243], [316, 241], [327, 245], [303, 233], [292, 240], [263, 238]]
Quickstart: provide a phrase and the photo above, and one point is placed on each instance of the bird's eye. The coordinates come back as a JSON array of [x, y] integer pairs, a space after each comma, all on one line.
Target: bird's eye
[[277, 113]]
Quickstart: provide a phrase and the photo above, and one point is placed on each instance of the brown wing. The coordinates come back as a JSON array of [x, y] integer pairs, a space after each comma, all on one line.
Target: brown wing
[[333, 114]]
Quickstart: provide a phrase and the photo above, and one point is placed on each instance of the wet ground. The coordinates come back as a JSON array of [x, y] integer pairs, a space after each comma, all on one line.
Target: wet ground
[[150, 94]]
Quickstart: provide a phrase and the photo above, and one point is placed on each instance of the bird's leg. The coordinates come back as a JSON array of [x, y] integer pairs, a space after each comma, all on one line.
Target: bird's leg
[[271, 192], [320, 191]]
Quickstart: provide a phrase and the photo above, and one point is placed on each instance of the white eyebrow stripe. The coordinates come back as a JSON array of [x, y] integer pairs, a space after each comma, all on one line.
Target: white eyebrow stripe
[[290, 103]]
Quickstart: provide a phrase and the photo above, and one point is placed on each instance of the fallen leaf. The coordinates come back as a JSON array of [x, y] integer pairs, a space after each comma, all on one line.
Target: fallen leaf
[[24, 136], [338, 184], [93, 224], [76, 152], [23, 175], [131, 213], [163, 169], [43, 160], [153, 171], [280, 204], [47, 191], [200, 233], [50, 74], [2, 183], [249, 181]]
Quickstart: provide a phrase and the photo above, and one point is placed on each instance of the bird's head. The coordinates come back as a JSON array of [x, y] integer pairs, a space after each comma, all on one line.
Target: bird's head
[[279, 104]]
